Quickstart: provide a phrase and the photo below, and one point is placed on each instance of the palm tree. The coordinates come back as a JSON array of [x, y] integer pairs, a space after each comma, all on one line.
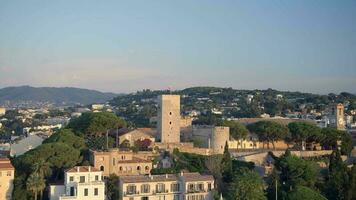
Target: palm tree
[[35, 183], [42, 168]]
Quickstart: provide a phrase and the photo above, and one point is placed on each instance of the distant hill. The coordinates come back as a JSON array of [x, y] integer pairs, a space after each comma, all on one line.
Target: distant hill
[[62, 95]]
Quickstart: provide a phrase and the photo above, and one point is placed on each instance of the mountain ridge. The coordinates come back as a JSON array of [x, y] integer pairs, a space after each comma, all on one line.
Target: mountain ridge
[[68, 95]]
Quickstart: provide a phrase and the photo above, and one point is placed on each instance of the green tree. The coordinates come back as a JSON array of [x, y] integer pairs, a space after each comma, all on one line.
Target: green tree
[[35, 184], [338, 180], [294, 171], [302, 192], [268, 131], [247, 185], [68, 137], [302, 132], [95, 124], [112, 187], [226, 164], [238, 131]]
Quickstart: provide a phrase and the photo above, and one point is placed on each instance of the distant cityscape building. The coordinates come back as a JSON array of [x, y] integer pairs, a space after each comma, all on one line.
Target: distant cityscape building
[[22, 146], [184, 186], [7, 173], [80, 182]]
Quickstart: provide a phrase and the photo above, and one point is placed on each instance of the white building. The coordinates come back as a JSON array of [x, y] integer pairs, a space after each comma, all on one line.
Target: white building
[[187, 186], [80, 183]]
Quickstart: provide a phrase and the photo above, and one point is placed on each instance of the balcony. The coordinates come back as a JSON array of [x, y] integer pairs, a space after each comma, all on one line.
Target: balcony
[[160, 192], [197, 191], [131, 193]]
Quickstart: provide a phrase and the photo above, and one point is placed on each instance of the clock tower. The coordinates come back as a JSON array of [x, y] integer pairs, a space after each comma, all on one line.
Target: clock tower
[[337, 117]]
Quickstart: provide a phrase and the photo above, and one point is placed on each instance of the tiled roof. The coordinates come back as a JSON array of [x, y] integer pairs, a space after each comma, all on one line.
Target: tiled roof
[[166, 177], [83, 169], [5, 164]]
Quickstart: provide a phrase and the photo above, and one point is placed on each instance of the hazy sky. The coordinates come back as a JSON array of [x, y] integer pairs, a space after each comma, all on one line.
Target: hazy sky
[[124, 46]]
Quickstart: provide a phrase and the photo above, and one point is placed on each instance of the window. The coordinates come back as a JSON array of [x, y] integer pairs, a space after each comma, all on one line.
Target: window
[[8, 173], [170, 122], [101, 168], [131, 189], [147, 168], [144, 198], [145, 188], [71, 191], [113, 161], [96, 191], [71, 178], [200, 187], [170, 113], [138, 168], [190, 187], [209, 186], [160, 188], [82, 179], [86, 192], [120, 168], [131, 198], [176, 197], [96, 177], [0, 174], [175, 187]]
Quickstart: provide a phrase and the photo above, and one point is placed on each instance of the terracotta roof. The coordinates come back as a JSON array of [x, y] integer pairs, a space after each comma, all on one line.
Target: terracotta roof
[[134, 160], [83, 169], [188, 177], [5, 164], [149, 131]]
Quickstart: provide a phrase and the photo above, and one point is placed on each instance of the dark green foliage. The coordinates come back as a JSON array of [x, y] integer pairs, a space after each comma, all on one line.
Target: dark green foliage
[[226, 165], [338, 183], [246, 184], [302, 192], [187, 161], [237, 130], [331, 136], [291, 172], [68, 137], [304, 132], [95, 124], [112, 187], [268, 131]]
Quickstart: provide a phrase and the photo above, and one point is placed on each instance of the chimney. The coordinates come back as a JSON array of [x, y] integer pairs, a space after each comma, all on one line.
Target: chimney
[[181, 173], [89, 168], [78, 168], [166, 176]]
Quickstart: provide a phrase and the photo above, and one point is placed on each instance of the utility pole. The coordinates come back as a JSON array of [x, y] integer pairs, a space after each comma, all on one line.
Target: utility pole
[[276, 191]]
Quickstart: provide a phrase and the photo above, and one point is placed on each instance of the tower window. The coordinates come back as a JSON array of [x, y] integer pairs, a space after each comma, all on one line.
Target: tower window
[[170, 122], [170, 113]]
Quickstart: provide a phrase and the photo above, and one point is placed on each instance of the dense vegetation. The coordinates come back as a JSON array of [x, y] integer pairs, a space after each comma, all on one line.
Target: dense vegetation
[[137, 108], [63, 150]]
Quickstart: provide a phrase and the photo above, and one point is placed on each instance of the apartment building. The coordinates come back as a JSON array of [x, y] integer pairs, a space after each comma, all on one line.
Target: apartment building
[[183, 186], [119, 162], [7, 172], [80, 182]]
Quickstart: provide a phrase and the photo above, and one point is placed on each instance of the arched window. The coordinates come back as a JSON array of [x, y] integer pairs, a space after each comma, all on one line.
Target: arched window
[[101, 168], [120, 168], [147, 168], [138, 168]]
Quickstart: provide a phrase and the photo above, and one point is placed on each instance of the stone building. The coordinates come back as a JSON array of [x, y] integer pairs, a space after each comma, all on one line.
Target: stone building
[[168, 124], [337, 116], [7, 173], [211, 137], [183, 186], [137, 134], [80, 182], [119, 162]]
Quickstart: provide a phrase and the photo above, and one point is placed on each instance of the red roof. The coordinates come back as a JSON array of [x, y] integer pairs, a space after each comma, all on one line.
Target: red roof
[[83, 169]]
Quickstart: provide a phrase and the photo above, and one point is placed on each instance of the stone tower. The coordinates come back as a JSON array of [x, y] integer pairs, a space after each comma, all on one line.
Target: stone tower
[[168, 124], [337, 116]]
